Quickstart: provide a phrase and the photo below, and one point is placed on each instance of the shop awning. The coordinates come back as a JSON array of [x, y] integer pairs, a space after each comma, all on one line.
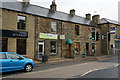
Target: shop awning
[[69, 41]]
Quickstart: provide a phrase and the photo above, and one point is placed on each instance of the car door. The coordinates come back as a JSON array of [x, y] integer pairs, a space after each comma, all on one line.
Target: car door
[[15, 62], [4, 63]]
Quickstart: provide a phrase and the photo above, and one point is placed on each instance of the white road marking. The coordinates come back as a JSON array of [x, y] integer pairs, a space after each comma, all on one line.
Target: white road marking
[[96, 70], [0, 78], [86, 73], [116, 65]]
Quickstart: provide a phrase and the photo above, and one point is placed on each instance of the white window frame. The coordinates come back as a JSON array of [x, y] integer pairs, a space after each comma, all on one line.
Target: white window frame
[[52, 26]]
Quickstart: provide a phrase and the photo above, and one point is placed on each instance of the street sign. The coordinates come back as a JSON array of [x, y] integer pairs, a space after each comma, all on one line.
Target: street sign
[[112, 30], [62, 36]]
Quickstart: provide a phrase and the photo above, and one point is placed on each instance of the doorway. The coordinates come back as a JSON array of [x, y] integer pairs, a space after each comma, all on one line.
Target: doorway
[[3, 45], [87, 49], [21, 46], [40, 49], [68, 50]]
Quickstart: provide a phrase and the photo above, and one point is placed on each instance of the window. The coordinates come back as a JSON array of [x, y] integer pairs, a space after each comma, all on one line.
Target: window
[[3, 44], [53, 27], [77, 47], [117, 44], [3, 56], [77, 30], [13, 56], [21, 46], [21, 22], [53, 47]]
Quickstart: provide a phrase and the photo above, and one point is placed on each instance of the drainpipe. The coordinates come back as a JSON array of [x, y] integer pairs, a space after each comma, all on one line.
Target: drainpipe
[[108, 47], [61, 39], [35, 37]]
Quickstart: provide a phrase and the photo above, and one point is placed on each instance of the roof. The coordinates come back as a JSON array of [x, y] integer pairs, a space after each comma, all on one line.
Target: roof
[[45, 12], [105, 21]]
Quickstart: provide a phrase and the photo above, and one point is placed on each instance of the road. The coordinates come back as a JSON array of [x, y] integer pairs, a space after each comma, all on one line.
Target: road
[[75, 70]]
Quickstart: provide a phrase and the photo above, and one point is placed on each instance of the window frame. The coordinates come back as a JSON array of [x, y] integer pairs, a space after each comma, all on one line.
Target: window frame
[[18, 22], [56, 48], [53, 22], [77, 46], [77, 30]]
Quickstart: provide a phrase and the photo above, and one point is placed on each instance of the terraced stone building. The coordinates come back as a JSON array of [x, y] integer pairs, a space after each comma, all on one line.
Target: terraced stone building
[[34, 31]]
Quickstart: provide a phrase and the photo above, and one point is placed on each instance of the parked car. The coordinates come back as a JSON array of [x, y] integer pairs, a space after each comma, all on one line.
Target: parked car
[[12, 61]]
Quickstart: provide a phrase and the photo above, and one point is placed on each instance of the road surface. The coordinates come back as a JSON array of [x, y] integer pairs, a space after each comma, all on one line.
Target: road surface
[[74, 71]]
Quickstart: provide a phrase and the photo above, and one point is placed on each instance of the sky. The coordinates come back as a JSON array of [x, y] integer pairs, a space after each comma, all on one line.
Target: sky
[[105, 8]]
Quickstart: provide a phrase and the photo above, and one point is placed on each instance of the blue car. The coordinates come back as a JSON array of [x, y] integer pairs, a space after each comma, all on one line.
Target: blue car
[[12, 61]]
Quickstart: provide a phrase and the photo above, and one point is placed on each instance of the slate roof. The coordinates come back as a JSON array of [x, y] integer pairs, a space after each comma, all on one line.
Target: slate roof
[[45, 12], [105, 21]]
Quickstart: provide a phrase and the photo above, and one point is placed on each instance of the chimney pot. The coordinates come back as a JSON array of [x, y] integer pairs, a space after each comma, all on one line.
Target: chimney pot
[[88, 16], [26, 2], [72, 12], [53, 6], [95, 18]]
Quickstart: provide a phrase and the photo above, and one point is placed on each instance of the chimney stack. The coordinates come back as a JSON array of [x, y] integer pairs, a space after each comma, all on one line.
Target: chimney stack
[[88, 16], [95, 18], [72, 12], [26, 2], [53, 6]]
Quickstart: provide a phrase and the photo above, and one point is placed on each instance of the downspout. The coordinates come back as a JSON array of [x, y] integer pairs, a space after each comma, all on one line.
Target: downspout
[[61, 39], [108, 46], [35, 37]]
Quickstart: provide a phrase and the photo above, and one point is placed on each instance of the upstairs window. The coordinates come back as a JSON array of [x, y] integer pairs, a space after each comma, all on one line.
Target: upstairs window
[[53, 27], [77, 30], [21, 22]]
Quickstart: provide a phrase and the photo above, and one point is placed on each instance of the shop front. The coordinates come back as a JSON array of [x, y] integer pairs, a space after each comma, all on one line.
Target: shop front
[[47, 45], [13, 41]]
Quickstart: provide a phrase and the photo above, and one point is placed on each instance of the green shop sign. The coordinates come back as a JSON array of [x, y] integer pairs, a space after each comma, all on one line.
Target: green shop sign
[[48, 36]]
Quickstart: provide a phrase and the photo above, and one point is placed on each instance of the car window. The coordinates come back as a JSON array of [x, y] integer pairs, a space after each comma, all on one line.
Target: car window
[[12, 56], [3, 56]]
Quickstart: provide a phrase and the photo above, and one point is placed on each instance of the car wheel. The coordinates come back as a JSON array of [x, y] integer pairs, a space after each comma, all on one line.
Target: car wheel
[[28, 68]]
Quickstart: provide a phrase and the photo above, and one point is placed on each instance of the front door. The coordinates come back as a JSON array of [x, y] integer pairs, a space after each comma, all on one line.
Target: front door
[[40, 49], [68, 50], [87, 49]]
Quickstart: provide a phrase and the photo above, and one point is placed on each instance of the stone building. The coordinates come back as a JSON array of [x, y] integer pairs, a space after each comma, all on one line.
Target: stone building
[[34, 31], [110, 33]]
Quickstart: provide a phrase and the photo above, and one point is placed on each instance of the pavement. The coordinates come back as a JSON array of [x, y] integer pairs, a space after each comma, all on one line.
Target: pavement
[[87, 58]]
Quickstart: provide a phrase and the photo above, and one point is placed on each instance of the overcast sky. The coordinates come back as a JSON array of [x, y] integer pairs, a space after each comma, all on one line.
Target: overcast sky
[[106, 8]]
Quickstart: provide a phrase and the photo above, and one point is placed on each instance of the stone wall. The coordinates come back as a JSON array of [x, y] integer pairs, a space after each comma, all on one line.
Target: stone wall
[[9, 22]]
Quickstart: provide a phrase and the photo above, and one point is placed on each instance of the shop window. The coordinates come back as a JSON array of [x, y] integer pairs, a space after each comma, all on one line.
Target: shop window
[[53, 48], [3, 45], [21, 46], [21, 22], [76, 30], [77, 47], [117, 45], [53, 27]]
